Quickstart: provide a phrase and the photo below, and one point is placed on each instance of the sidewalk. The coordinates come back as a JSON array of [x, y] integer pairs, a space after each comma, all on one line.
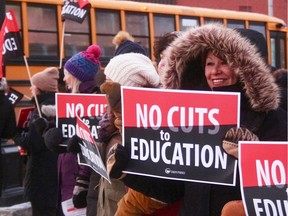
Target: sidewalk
[[23, 209]]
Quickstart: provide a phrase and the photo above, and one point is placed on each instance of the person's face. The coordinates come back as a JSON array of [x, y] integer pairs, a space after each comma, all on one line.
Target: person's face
[[68, 79], [218, 72]]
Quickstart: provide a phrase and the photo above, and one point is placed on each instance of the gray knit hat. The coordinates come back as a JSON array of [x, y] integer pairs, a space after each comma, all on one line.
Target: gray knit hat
[[132, 69]]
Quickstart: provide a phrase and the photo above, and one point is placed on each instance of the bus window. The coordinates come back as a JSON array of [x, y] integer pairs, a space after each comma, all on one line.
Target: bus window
[[163, 24], [236, 24], [258, 26], [137, 26], [212, 20], [278, 49], [107, 26], [77, 36], [42, 27], [187, 22]]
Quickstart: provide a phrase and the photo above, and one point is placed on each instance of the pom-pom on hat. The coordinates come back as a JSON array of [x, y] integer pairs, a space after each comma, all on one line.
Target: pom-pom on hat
[[128, 46], [132, 69], [46, 80], [84, 65]]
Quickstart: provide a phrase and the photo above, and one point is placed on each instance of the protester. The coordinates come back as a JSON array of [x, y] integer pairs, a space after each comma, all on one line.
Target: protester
[[130, 69], [160, 46], [212, 57], [134, 202], [40, 181], [77, 182], [124, 43], [7, 120]]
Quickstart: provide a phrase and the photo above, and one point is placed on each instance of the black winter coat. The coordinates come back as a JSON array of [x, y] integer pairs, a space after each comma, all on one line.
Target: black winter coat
[[8, 119], [41, 174]]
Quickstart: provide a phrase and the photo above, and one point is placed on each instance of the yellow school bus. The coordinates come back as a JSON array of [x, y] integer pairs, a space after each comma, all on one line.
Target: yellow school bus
[[41, 28]]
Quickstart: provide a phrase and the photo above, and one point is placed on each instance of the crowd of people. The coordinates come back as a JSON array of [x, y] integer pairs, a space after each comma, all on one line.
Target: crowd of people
[[207, 58]]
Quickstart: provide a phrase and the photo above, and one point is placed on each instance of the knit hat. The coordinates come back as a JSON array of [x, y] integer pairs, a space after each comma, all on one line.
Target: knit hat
[[84, 65], [128, 46], [46, 80], [132, 69]]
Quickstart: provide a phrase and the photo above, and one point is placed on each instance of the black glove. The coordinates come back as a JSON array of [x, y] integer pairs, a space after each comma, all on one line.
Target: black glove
[[52, 139], [118, 158], [73, 145], [233, 136], [41, 124], [80, 192]]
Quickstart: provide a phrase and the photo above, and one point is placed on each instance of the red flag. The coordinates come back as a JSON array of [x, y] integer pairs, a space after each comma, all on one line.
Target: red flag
[[83, 3], [10, 44], [73, 11]]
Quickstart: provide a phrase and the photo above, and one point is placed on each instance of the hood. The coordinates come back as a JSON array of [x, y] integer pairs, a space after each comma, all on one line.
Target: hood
[[186, 57]]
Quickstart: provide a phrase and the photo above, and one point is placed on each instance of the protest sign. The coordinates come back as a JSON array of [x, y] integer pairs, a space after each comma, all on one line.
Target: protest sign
[[179, 133], [90, 154], [89, 107], [264, 177], [25, 115], [75, 11]]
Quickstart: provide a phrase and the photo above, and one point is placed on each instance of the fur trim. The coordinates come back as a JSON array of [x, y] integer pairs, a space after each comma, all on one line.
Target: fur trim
[[120, 37], [187, 51]]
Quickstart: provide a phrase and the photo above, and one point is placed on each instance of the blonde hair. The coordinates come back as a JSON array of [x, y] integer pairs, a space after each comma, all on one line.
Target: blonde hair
[[76, 83], [120, 37]]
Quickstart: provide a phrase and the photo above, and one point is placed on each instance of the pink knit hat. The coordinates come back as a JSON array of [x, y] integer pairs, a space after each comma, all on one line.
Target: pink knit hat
[[46, 80]]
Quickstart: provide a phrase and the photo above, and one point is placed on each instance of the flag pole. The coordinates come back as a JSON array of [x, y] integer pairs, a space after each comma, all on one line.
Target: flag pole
[[62, 45], [29, 74]]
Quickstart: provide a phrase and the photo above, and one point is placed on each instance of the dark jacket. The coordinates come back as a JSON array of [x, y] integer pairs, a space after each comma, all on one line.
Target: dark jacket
[[259, 112], [8, 119], [41, 174]]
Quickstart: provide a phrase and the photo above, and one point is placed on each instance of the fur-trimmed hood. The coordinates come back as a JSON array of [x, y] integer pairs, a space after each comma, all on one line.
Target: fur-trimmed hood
[[186, 64]]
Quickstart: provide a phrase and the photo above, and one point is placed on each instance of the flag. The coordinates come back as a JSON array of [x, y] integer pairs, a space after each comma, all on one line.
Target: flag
[[10, 43], [73, 11], [14, 96], [83, 3]]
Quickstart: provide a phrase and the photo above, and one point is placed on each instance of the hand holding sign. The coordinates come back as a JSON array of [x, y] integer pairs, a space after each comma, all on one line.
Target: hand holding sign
[[233, 136]]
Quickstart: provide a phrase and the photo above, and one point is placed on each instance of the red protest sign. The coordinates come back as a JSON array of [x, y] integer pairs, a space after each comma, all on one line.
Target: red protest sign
[[264, 177], [90, 155], [181, 132], [89, 107], [25, 115]]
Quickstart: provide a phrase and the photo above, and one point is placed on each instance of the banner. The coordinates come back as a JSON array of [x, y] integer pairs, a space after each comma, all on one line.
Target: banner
[[90, 155], [89, 107], [14, 96], [179, 133], [83, 3], [264, 177], [75, 11], [10, 42]]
